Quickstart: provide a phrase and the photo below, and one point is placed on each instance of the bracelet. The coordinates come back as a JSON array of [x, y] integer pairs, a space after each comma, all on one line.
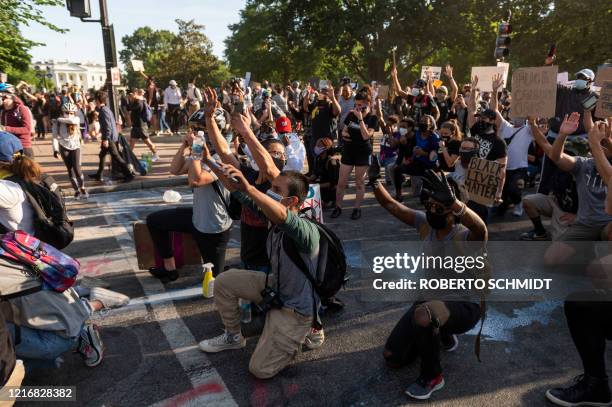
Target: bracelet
[[461, 211]]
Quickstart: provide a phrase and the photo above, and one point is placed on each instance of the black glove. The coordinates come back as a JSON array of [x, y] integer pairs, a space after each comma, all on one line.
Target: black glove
[[436, 187], [374, 171]]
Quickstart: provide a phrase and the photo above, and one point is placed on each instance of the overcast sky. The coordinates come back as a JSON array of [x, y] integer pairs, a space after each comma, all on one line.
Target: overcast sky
[[83, 43]]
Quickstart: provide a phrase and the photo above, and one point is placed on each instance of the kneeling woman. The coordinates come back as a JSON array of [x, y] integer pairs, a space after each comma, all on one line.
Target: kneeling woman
[[207, 221]]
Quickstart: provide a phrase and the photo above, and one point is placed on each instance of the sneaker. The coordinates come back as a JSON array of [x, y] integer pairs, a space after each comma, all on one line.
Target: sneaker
[[90, 345], [225, 341], [108, 298], [422, 389], [77, 195], [84, 195], [518, 210], [314, 339], [336, 212], [155, 157], [356, 214], [586, 391], [533, 235], [450, 343], [164, 275]]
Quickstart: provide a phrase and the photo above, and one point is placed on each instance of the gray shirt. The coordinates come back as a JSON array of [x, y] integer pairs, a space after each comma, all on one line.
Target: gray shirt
[[346, 105], [209, 212], [592, 192]]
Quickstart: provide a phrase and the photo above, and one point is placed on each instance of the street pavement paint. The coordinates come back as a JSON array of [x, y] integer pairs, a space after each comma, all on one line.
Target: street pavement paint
[[195, 363]]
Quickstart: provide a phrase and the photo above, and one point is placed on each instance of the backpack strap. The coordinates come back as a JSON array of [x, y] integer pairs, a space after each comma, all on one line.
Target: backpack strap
[[509, 139], [483, 315], [217, 188]]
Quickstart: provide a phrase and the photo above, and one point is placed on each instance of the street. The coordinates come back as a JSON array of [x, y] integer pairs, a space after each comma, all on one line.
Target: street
[[152, 356]]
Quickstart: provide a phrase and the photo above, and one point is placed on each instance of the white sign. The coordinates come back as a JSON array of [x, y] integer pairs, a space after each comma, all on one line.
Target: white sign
[[115, 76], [485, 76], [563, 78], [313, 200], [506, 67], [247, 80], [434, 71], [137, 65]]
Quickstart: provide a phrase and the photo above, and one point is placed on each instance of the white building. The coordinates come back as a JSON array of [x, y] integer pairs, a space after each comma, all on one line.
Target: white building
[[88, 75]]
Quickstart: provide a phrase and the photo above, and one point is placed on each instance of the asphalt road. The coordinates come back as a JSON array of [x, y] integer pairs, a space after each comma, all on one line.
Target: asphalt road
[[151, 345]]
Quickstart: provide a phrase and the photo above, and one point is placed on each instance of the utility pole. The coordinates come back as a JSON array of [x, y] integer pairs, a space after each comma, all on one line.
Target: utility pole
[[81, 9]]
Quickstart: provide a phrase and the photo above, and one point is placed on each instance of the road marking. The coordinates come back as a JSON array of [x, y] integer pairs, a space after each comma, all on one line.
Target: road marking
[[197, 366]]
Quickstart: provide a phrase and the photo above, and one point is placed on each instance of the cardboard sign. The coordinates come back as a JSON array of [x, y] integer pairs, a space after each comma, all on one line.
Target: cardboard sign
[[137, 65], [115, 76], [604, 104], [482, 180], [383, 91], [313, 200], [434, 71], [604, 73], [247, 80], [563, 78], [185, 249], [506, 67], [485, 76], [534, 92]]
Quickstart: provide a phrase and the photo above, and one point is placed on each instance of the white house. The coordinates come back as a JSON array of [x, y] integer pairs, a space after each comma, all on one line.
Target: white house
[[88, 75]]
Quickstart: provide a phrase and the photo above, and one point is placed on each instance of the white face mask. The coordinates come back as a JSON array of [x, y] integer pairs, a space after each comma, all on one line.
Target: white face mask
[[274, 195], [403, 131], [580, 84], [415, 91]]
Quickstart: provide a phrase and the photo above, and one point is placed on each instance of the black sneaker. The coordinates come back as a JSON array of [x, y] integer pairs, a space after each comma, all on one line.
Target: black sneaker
[[356, 214], [586, 391], [164, 275], [532, 235], [337, 212]]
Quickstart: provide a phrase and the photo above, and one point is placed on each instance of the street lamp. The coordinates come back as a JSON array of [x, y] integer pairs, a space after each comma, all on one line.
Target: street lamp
[[82, 10]]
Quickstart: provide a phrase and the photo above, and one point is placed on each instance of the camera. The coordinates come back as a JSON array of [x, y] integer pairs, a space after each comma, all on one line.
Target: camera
[[269, 300], [345, 81]]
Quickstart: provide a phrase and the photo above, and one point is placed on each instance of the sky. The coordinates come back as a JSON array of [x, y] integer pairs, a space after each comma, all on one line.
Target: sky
[[83, 43]]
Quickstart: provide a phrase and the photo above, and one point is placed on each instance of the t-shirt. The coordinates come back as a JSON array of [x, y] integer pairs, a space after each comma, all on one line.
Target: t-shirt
[[253, 228], [359, 147], [422, 104], [136, 108], [323, 120], [492, 147], [444, 107], [16, 213], [209, 211], [429, 144], [452, 148], [518, 147], [592, 192], [386, 151]]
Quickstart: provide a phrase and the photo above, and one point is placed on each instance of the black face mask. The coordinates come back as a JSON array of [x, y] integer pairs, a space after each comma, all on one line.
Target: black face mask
[[423, 126], [279, 162], [436, 221], [466, 156], [484, 128]]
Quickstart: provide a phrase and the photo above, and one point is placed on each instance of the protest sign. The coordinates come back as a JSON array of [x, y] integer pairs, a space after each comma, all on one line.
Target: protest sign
[[534, 92], [435, 71], [604, 73], [137, 65], [563, 78], [247, 79], [313, 200], [482, 180], [506, 67], [485, 76], [115, 76], [383, 91], [604, 104]]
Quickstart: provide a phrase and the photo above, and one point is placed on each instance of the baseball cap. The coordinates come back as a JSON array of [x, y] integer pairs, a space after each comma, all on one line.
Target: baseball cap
[[442, 89], [586, 72], [9, 145], [489, 113], [172, 82], [420, 83], [283, 125]]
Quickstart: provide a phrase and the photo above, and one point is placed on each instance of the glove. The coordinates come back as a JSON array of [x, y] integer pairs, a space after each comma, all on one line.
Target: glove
[[374, 171], [436, 187]]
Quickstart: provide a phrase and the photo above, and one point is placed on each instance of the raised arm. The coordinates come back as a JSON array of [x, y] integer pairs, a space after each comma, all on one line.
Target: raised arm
[[214, 133], [498, 81], [448, 71], [563, 161], [539, 138], [598, 132], [472, 103], [401, 212], [336, 109], [396, 83], [179, 164], [263, 159]]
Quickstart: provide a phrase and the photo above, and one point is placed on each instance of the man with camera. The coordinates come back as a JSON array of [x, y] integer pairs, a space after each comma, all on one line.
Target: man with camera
[[284, 292]]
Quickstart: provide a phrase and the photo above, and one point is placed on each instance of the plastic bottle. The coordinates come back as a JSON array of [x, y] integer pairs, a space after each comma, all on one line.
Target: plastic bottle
[[208, 282], [171, 196], [198, 145], [245, 311]]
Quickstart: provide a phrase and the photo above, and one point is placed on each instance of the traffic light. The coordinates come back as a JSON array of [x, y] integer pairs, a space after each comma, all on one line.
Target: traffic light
[[502, 44], [79, 8]]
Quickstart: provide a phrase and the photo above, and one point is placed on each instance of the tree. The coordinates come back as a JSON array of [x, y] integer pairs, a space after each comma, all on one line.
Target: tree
[[14, 47]]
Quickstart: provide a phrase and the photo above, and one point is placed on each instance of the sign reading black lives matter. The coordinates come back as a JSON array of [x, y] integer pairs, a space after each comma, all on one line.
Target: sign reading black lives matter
[[482, 181], [534, 92]]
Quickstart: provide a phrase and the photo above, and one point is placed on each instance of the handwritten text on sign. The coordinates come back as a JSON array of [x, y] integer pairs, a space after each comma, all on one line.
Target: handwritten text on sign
[[482, 180], [534, 92], [604, 105]]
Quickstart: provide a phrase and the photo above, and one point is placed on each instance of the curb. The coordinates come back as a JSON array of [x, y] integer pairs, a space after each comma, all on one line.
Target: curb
[[180, 180]]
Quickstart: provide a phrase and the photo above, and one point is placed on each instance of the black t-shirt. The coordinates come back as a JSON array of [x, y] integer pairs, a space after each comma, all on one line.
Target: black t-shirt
[[405, 150], [421, 104], [354, 128], [452, 147], [324, 122], [444, 107], [492, 147], [136, 108], [253, 228]]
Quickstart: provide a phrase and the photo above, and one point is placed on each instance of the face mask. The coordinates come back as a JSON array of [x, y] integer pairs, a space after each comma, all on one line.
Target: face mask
[[436, 221], [415, 91], [466, 156], [580, 84], [423, 126], [403, 131], [318, 150], [274, 195], [484, 128], [279, 162]]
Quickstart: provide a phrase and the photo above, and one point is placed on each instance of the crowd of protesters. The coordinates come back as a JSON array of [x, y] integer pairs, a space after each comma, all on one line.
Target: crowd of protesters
[[261, 145]]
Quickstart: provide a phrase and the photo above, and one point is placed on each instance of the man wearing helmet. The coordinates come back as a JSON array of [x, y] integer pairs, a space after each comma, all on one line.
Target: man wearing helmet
[[16, 118]]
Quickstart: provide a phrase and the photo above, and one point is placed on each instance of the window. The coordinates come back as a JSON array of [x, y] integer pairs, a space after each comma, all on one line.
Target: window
[[82, 78], [71, 78], [101, 80], [61, 77]]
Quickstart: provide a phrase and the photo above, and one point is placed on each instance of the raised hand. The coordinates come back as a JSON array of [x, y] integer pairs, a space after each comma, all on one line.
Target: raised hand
[[598, 132], [437, 188], [210, 101], [474, 82], [448, 71], [498, 81], [570, 124]]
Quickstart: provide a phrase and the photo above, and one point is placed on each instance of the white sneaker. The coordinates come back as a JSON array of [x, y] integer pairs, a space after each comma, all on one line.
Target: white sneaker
[[108, 298], [225, 341], [314, 339], [518, 210], [154, 158]]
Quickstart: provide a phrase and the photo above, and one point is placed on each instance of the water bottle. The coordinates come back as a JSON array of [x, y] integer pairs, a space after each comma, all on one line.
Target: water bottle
[[245, 311], [198, 145]]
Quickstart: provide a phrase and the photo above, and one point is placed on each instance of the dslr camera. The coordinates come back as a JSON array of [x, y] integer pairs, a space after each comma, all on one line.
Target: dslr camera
[[269, 300]]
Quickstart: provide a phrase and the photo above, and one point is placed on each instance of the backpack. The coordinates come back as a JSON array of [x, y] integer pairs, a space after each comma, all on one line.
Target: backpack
[[331, 273], [51, 223], [146, 113], [58, 270], [233, 207]]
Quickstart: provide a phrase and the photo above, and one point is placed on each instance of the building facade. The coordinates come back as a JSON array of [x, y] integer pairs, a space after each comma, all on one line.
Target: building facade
[[86, 75]]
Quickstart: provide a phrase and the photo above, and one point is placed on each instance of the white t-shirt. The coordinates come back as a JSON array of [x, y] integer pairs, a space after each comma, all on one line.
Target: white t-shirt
[[519, 147], [16, 213]]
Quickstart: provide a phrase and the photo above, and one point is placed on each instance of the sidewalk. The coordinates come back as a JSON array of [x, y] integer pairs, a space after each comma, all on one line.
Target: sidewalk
[[158, 177]]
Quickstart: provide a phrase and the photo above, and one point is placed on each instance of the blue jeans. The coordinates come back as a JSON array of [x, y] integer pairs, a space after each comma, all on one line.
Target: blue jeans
[[40, 349], [163, 124]]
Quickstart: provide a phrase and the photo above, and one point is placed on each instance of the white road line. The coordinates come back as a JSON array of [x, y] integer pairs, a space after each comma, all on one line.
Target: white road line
[[197, 366]]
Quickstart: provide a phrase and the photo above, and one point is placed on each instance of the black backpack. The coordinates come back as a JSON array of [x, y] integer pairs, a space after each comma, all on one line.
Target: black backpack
[[331, 269], [233, 207], [51, 223]]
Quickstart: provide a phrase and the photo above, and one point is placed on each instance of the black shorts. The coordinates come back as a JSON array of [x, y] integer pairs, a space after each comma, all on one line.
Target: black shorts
[[356, 155], [138, 133]]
